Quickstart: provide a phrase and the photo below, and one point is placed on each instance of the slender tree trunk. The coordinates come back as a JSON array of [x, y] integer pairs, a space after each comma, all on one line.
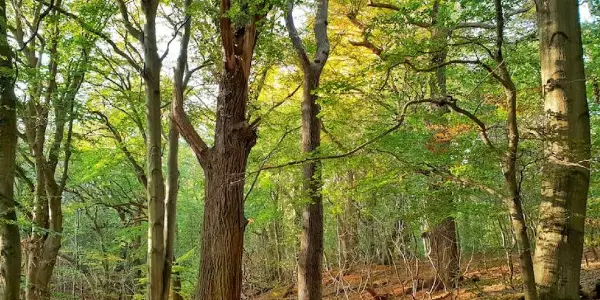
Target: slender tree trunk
[[156, 186], [596, 90], [170, 224], [565, 185], [10, 242], [514, 202], [509, 162], [311, 241], [349, 225], [170, 229]]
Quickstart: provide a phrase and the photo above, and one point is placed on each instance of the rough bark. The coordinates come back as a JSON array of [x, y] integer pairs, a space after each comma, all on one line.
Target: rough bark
[[311, 240], [224, 164], [444, 251], [10, 242], [224, 221], [565, 185]]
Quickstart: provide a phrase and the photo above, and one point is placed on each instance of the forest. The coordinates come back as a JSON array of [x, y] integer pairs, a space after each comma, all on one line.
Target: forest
[[299, 149]]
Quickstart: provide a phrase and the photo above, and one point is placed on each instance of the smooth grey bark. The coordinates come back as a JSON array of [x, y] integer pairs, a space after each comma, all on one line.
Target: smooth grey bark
[[559, 243], [155, 188], [45, 239], [173, 164]]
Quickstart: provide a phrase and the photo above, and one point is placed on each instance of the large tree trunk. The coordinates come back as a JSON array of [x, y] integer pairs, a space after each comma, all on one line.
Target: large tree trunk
[[10, 242], [224, 164], [566, 148], [224, 220], [444, 251]]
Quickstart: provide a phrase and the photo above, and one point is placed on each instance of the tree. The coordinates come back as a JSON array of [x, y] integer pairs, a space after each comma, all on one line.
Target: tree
[[224, 164], [51, 90], [10, 241], [311, 240], [565, 186]]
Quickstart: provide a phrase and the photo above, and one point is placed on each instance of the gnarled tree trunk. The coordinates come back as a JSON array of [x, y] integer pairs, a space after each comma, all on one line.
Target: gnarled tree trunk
[[224, 164]]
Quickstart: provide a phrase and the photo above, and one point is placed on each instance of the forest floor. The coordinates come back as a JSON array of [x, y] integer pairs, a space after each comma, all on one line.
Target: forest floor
[[483, 278]]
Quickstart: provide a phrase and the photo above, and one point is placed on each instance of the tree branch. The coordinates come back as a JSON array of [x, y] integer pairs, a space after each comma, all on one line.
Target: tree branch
[[295, 37], [139, 171], [276, 105], [135, 32], [320, 29], [99, 34], [399, 123], [187, 130]]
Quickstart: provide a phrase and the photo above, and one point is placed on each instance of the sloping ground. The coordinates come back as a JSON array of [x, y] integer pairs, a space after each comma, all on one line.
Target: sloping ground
[[484, 279]]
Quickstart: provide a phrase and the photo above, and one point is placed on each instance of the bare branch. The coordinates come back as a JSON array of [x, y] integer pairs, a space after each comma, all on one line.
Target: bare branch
[[383, 5], [37, 25], [177, 29], [267, 157], [276, 105], [367, 44], [483, 129], [475, 25], [399, 123], [139, 171]]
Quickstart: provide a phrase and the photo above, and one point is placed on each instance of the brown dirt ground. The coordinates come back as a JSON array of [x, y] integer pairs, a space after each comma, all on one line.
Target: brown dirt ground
[[485, 278]]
